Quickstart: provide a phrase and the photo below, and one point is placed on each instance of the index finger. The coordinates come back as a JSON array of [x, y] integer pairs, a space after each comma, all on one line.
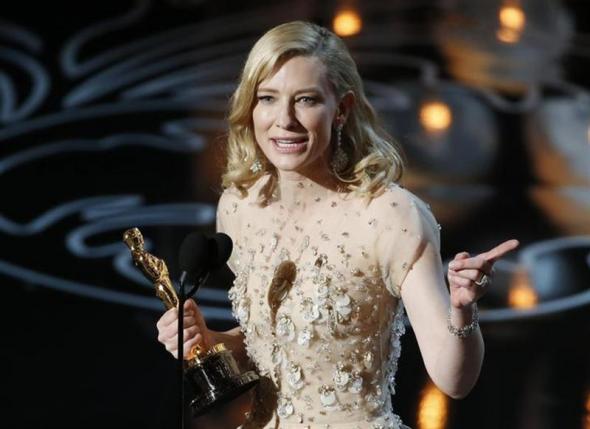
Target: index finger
[[500, 250], [169, 317]]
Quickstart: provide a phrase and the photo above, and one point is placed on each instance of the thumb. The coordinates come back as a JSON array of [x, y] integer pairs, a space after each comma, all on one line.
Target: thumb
[[190, 305]]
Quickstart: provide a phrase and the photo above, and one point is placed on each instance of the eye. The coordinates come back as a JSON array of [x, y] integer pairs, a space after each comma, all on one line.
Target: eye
[[266, 99], [307, 100]]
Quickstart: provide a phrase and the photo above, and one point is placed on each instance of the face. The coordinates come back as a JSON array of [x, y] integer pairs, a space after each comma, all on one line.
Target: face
[[295, 111]]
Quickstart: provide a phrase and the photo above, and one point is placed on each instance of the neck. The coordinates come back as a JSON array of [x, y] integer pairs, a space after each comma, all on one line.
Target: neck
[[297, 189]]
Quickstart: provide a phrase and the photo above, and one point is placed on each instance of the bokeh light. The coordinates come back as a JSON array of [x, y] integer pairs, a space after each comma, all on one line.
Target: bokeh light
[[512, 17], [436, 116], [433, 408], [521, 294], [347, 22], [586, 423], [507, 35], [512, 21]]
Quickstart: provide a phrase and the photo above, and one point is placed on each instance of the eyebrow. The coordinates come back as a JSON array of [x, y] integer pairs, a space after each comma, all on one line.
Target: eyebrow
[[299, 91]]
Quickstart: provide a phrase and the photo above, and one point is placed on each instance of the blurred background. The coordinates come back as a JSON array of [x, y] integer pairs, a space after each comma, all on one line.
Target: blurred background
[[112, 116]]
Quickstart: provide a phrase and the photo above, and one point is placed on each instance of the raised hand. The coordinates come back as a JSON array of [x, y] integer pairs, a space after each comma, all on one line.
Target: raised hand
[[195, 329], [469, 276]]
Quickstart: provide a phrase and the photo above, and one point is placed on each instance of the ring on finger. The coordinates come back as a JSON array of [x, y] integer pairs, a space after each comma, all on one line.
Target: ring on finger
[[483, 281]]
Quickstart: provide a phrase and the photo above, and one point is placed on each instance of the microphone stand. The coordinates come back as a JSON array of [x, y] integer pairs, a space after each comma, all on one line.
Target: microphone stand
[[182, 297], [180, 367]]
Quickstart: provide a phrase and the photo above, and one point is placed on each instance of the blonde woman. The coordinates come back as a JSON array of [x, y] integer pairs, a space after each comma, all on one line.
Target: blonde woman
[[329, 250]]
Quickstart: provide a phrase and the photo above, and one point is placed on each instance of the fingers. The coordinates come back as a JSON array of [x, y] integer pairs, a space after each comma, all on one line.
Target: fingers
[[465, 272], [194, 326], [170, 321], [483, 261], [478, 263], [459, 281], [187, 347], [167, 318], [192, 336], [171, 342], [170, 317], [500, 250], [190, 305], [168, 324], [189, 344], [470, 275]]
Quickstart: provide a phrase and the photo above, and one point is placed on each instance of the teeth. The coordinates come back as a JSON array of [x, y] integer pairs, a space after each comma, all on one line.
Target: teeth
[[287, 141], [288, 145]]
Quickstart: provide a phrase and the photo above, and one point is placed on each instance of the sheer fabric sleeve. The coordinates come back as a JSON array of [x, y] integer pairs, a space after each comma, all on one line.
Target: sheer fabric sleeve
[[409, 226], [226, 222]]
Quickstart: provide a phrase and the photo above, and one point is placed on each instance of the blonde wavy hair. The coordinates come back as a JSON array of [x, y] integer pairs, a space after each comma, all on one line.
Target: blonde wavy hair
[[374, 160]]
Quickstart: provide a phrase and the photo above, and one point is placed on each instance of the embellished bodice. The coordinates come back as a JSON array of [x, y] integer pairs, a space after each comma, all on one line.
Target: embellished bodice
[[318, 301]]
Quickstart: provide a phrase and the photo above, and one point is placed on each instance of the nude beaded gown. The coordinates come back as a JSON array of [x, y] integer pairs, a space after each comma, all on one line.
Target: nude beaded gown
[[317, 296]]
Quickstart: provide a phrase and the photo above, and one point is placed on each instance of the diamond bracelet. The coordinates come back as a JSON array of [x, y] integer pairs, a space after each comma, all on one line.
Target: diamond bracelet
[[466, 330]]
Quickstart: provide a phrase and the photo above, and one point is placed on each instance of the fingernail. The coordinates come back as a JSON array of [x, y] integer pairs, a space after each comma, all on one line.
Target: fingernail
[[453, 265]]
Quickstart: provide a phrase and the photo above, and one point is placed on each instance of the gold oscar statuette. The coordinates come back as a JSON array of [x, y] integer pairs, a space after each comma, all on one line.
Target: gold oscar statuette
[[213, 374]]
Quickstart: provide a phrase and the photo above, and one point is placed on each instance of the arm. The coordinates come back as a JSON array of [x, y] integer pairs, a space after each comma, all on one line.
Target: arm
[[234, 341], [234, 338], [453, 363], [196, 332]]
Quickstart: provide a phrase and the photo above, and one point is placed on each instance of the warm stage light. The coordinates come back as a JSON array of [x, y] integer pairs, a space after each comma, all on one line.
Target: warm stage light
[[587, 416], [432, 409], [508, 35], [347, 22], [522, 294], [512, 21], [512, 17], [435, 116]]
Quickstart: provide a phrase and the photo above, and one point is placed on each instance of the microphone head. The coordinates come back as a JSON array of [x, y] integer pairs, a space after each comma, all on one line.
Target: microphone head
[[194, 254], [223, 246]]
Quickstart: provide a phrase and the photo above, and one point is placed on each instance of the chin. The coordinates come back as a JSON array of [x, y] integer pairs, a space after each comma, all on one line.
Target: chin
[[287, 164], [288, 167]]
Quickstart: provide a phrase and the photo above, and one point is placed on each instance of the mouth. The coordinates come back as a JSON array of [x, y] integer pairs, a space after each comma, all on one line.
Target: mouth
[[290, 145]]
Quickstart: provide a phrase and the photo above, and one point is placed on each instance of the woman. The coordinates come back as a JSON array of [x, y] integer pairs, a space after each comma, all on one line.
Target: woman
[[328, 249]]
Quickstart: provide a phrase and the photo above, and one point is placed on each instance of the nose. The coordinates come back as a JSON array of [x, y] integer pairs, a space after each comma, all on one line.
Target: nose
[[285, 118]]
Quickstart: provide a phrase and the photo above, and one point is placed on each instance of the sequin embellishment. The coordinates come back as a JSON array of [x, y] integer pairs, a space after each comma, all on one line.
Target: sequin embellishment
[[310, 309], [328, 397], [285, 328], [294, 376], [285, 407], [304, 337]]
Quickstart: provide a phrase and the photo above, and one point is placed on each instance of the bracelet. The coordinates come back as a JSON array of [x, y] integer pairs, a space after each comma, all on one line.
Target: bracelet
[[466, 330]]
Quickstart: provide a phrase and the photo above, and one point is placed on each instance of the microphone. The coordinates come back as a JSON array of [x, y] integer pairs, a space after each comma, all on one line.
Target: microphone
[[200, 255]]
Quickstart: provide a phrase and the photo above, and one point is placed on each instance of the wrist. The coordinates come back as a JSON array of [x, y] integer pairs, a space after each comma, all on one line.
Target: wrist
[[462, 322], [209, 338], [462, 315]]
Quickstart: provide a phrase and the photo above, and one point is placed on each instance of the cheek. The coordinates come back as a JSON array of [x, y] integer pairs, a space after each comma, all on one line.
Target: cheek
[[259, 127], [260, 119], [263, 116], [322, 128]]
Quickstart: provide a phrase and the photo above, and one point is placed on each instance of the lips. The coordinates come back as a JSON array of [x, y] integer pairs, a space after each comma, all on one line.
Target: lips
[[290, 145]]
